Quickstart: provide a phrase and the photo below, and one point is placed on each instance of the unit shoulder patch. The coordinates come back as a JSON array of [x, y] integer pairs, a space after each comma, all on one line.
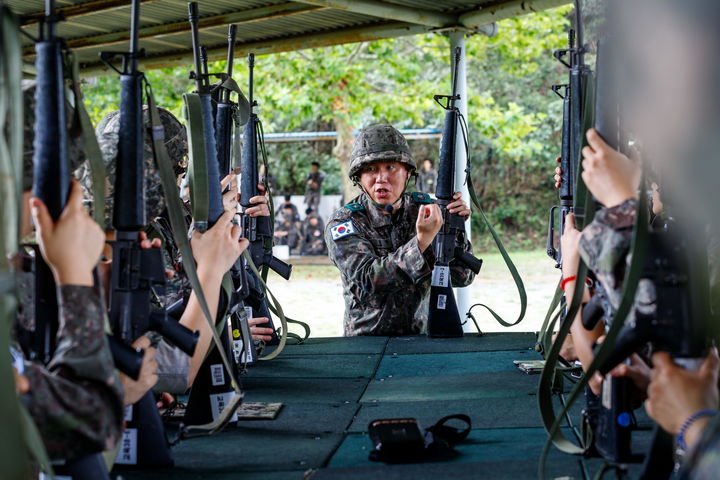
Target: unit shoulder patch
[[420, 197], [355, 207], [343, 230]]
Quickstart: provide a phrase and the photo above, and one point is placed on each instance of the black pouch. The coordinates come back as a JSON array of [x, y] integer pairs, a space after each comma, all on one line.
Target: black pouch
[[400, 440]]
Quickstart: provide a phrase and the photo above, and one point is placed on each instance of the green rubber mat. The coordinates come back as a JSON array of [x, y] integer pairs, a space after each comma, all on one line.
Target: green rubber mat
[[498, 445], [313, 366], [300, 390], [306, 418], [337, 345], [451, 387], [518, 469], [245, 450], [442, 363], [487, 342], [183, 474], [509, 412]]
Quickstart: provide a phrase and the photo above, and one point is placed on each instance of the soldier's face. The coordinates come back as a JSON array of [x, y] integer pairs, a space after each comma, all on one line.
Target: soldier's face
[[384, 181]]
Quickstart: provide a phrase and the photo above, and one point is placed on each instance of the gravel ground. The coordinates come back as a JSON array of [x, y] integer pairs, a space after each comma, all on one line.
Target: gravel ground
[[314, 293]]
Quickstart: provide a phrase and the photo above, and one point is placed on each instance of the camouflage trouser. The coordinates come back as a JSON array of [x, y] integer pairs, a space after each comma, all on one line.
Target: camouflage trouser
[[312, 200]]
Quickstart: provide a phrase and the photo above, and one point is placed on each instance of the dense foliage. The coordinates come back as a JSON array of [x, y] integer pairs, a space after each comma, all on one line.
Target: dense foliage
[[514, 117]]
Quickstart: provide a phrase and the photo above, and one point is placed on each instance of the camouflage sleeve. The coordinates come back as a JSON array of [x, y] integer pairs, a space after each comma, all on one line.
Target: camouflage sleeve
[[461, 276], [605, 242], [355, 256], [77, 401]]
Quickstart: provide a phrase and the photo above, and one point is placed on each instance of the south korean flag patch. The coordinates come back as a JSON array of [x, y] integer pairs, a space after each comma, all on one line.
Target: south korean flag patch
[[343, 230]]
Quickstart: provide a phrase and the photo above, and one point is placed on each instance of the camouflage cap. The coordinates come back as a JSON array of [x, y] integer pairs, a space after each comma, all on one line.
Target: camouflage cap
[[76, 151], [107, 132], [377, 143]]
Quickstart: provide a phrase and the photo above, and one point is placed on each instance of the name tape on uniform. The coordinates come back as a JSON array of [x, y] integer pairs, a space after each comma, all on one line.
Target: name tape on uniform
[[343, 230]]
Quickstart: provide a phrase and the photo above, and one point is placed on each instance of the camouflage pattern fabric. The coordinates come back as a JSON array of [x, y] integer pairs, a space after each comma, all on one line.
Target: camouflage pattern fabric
[[703, 462], [313, 237], [287, 231], [427, 180], [76, 152], [77, 401], [107, 132], [385, 276], [604, 247], [313, 186], [378, 143], [177, 286]]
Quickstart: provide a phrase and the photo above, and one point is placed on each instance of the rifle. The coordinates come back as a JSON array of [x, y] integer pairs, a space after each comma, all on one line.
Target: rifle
[[137, 271], [212, 388], [258, 230], [449, 243], [571, 132], [51, 171], [226, 110]]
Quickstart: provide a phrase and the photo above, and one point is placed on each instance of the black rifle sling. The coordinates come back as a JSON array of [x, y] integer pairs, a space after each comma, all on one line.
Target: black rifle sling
[[177, 222], [18, 423], [501, 248]]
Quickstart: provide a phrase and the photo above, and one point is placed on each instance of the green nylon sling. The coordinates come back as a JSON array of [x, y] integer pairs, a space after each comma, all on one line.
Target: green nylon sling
[[17, 423], [90, 143], [498, 242], [177, 222], [638, 250]]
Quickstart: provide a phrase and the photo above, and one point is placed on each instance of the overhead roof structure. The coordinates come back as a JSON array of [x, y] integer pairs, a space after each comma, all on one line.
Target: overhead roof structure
[[264, 26]]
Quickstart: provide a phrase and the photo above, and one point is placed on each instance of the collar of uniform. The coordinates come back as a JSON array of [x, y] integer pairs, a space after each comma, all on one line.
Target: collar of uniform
[[376, 215]]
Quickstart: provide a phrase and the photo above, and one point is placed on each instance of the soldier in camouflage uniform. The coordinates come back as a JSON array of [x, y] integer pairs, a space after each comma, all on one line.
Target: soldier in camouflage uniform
[[427, 178], [81, 367], [313, 186], [313, 240], [381, 240]]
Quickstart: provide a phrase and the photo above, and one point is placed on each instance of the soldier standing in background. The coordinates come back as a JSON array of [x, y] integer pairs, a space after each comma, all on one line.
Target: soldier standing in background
[[313, 186], [427, 178]]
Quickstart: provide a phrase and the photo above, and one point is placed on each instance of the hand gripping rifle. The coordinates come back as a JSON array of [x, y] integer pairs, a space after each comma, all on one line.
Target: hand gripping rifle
[[449, 243], [137, 271], [257, 230]]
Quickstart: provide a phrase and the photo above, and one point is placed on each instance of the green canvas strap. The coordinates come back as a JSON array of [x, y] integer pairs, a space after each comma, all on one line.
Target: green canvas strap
[[496, 238], [508, 262], [197, 167], [177, 222], [638, 252], [17, 423], [275, 307], [92, 149]]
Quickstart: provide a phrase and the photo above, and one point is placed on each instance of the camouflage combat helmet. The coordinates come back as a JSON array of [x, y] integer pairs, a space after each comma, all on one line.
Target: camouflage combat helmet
[[76, 150], [378, 143], [107, 132]]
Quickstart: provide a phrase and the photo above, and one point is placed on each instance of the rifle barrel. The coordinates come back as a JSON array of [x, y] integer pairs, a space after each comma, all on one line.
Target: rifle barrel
[[193, 19]]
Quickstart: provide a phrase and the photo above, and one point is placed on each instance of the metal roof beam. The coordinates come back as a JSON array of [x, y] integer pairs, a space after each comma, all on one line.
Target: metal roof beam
[[501, 11], [276, 45], [383, 10], [74, 11], [242, 17]]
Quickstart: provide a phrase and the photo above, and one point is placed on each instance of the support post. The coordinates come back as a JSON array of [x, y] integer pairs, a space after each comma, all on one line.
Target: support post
[[457, 39]]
